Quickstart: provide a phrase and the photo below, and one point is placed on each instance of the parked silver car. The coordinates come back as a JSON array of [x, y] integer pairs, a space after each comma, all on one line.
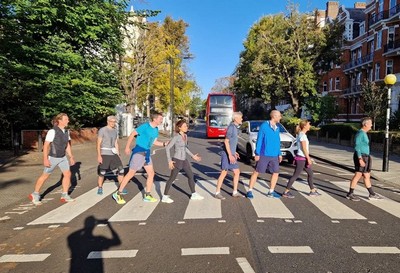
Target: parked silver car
[[248, 137]]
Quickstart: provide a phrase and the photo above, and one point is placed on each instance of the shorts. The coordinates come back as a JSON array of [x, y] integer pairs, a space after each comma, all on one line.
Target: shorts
[[368, 163], [110, 162], [61, 162], [138, 161], [268, 164], [225, 164]]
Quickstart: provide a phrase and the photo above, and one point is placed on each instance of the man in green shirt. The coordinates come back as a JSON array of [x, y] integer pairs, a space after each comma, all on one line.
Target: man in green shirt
[[362, 162]]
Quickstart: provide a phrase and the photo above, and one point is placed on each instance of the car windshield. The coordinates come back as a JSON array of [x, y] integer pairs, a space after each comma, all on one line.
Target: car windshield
[[255, 127]]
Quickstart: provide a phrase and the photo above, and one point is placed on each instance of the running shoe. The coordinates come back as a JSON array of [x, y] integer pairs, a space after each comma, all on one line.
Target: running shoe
[[237, 194], [375, 197], [250, 195], [314, 194], [118, 198], [149, 198], [219, 196], [352, 197], [35, 198], [167, 199], [273, 195], [65, 198], [196, 196], [100, 191], [124, 192], [288, 195]]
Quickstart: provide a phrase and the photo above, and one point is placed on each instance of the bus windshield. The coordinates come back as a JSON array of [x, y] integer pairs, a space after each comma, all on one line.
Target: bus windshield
[[219, 120]]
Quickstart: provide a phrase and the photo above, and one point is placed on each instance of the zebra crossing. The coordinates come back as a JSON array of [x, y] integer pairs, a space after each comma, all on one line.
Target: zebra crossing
[[211, 208]]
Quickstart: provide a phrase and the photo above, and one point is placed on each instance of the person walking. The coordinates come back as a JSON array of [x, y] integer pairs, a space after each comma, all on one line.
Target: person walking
[[362, 162], [267, 154], [302, 160], [108, 153], [56, 145], [229, 157], [146, 136], [179, 161]]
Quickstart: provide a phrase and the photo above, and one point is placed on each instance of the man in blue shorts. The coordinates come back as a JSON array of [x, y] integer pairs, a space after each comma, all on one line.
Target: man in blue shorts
[[229, 156], [267, 154], [146, 135]]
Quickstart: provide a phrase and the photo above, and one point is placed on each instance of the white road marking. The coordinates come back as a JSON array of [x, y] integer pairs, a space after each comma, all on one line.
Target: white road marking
[[137, 209], [333, 208], [264, 206], [245, 265], [112, 254], [385, 204], [376, 249], [290, 249], [22, 258], [65, 213], [209, 207], [205, 251]]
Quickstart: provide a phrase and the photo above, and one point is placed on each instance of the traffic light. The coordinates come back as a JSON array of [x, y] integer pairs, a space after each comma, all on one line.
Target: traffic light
[[151, 102]]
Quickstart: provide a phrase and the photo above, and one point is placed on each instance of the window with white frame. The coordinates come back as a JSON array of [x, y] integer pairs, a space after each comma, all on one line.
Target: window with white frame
[[370, 74], [330, 84], [337, 83], [389, 67], [379, 39], [362, 28], [377, 71], [390, 39], [324, 87]]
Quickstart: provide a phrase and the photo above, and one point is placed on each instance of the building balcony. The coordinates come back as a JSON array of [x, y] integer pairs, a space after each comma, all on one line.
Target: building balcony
[[363, 62], [391, 15], [352, 91], [392, 49]]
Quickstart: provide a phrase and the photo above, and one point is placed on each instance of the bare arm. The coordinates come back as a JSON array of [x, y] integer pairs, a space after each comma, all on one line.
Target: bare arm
[[129, 142], [69, 153], [46, 148], [98, 148]]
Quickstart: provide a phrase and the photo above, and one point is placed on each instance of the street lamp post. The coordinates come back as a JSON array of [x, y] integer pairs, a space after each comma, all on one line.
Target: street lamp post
[[390, 80], [171, 81]]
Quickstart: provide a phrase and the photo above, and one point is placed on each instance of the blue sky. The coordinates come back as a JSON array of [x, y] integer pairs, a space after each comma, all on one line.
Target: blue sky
[[217, 29]]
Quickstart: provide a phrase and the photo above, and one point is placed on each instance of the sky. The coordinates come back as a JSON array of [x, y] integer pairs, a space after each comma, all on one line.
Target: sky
[[218, 28]]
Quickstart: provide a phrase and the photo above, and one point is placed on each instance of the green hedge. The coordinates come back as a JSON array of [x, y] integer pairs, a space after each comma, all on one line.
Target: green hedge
[[346, 130]]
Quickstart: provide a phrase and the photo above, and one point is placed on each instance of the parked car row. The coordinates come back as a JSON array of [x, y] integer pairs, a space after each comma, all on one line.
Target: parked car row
[[248, 132]]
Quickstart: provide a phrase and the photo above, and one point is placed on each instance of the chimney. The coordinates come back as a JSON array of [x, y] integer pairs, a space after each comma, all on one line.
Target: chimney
[[360, 5], [332, 9]]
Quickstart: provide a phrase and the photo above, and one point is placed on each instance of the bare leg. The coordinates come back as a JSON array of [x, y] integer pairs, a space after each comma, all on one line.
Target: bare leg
[[150, 177], [274, 179], [253, 179], [40, 181], [221, 180], [100, 181], [126, 179], [66, 181], [355, 180], [236, 174]]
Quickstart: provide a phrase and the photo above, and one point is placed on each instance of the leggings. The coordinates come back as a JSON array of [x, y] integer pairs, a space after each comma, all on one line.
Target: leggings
[[300, 166], [179, 165]]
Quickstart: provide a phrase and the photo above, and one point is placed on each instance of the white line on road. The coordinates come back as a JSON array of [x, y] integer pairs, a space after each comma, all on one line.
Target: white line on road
[[21, 258], [112, 254], [205, 251], [376, 249], [290, 249], [244, 265]]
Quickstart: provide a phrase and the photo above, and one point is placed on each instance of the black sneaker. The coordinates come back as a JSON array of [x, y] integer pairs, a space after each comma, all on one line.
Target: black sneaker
[[352, 197]]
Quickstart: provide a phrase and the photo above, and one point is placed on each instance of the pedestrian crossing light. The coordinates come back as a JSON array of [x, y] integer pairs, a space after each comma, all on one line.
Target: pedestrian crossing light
[[389, 80]]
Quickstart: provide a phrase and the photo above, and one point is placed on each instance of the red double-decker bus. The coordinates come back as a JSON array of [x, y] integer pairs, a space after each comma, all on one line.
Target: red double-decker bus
[[219, 110]]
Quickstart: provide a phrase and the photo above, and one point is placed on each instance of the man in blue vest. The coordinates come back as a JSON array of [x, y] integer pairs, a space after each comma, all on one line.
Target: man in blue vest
[[56, 146]]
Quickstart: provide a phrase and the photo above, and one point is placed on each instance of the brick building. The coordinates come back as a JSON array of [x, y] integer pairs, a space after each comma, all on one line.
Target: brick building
[[371, 51]]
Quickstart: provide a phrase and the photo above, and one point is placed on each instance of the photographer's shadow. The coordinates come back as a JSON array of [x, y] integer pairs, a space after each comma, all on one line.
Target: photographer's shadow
[[85, 247]]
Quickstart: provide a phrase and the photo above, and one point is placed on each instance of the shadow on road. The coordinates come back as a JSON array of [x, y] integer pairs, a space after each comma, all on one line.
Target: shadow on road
[[86, 248]]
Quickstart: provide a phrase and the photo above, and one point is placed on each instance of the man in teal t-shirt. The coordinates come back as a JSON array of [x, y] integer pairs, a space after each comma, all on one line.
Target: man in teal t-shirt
[[362, 162]]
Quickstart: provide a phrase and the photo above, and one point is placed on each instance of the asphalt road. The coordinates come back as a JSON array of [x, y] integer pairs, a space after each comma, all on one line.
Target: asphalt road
[[94, 234]]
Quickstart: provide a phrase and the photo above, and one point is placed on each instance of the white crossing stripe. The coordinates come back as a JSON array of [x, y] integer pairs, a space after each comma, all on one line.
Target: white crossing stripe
[[385, 204], [209, 207], [68, 211], [137, 209], [113, 254], [290, 249], [245, 265], [327, 204], [376, 249], [205, 251], [21, 258], [264, 206]]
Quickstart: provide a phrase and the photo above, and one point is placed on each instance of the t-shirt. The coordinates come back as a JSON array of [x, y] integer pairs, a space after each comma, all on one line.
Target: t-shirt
[[361, 143], [108, 138], [146, 135], [52, 133], [232, 134], [302, 137]]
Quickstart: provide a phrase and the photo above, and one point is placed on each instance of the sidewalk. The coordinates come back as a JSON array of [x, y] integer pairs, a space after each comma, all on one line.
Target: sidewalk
[[342, 156]]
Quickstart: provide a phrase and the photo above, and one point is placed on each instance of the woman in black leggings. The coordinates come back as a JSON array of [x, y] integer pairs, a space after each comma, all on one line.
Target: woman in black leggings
[[302, 160]]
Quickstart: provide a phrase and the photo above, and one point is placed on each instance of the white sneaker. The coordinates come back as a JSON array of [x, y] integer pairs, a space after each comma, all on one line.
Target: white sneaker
[[167, 199], [196, 196]]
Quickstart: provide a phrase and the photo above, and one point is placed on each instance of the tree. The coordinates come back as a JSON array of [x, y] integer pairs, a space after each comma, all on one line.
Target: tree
[[223, 85], [374, 100], [282, 58]]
